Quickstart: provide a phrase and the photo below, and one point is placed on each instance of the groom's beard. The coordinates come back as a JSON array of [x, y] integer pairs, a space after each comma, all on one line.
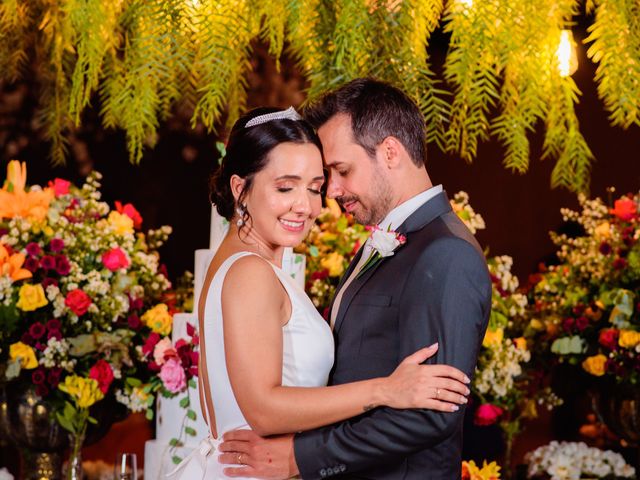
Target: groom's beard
[[375, 207]]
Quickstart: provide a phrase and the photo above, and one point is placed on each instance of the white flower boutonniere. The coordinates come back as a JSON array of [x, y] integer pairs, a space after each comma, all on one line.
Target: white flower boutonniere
[[383, 244]]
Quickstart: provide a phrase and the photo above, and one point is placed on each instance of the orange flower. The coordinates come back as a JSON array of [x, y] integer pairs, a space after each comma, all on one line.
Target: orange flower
[[16, 202], [11, 265]]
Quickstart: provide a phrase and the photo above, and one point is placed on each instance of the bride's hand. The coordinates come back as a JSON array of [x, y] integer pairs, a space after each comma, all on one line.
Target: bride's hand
[[436, 387]]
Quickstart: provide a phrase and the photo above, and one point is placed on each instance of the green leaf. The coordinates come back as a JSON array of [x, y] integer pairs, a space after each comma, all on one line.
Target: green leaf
[[92, 420], [190, 431], [191, 415], [133, 382], [176, 459], [174, 442], [313, 251], [568, 345], [65, 422], [149, 414], [192, 383], [184, 403]]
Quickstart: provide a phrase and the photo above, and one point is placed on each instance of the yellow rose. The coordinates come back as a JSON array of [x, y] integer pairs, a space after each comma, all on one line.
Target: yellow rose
[[493, 337], [521, 343], [48, 231], [31, 297], [158, 319], [85, 391], [122, 224], [25, 353], [595, 365], [603, 230], [628, 338], [334, 262]]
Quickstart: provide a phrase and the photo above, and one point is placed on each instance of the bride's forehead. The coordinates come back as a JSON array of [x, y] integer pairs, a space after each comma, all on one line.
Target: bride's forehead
[[294, 159]]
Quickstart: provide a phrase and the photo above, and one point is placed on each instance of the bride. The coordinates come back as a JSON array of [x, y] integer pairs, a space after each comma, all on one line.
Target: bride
[[266, 354]]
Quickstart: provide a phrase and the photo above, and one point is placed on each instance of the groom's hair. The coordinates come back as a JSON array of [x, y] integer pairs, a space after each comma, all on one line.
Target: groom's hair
[[377, 110]]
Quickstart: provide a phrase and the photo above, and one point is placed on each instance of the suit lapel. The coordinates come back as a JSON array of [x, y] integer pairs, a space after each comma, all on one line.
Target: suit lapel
[[432, 209]]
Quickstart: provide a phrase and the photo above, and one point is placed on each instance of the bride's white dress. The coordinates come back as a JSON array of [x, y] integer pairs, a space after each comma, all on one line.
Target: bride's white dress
[[307, 358]]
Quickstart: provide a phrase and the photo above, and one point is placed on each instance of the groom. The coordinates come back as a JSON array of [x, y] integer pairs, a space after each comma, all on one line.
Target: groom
[[435, 288]]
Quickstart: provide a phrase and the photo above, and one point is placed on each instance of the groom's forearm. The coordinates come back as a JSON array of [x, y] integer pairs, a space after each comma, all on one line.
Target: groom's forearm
[[382, 438]]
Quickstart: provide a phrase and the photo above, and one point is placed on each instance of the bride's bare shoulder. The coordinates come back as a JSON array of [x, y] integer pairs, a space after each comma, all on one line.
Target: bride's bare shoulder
[[249, 276]]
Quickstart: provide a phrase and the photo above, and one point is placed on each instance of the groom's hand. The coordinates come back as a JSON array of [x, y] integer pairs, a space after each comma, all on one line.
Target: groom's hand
[[271, 458]]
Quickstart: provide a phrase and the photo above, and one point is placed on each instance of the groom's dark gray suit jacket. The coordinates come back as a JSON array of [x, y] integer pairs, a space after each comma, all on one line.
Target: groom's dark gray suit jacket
[[436, 288]]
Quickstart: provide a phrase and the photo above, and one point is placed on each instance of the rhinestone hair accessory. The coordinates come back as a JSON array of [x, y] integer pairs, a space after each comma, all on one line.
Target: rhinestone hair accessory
[[288, 114]]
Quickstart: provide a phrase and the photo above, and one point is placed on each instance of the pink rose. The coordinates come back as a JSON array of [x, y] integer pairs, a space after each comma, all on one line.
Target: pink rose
[[172, 376], [163, 351], [115, 259], [77, 301], [101, 372], [487, 414], [60, 186]]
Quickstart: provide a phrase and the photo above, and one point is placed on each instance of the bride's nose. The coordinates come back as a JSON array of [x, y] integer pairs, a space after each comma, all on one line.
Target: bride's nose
[[301, 204]]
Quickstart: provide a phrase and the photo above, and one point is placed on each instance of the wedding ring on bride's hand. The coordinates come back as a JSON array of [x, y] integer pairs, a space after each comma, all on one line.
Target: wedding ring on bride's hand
[[239, 459], [437, 393]]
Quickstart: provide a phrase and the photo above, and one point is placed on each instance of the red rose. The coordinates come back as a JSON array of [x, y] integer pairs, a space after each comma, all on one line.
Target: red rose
[[625, 209], [130, 211], [609, 338], [78, 301], [487, 414], [102, 373]]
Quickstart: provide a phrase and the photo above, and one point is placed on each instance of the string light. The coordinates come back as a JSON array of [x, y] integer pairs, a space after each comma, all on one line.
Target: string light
[[566, 54]]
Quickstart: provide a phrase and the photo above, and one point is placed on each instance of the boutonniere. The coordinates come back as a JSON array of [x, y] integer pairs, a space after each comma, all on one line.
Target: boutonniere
[[383, 244]]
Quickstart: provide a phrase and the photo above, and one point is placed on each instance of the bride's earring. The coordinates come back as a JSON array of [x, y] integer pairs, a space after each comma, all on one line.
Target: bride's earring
[[241, 210]]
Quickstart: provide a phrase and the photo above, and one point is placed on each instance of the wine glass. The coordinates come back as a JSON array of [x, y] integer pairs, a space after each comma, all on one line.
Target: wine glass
[[126, 467]]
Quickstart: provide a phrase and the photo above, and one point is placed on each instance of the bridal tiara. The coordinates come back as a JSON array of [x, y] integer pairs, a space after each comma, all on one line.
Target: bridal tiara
[[288, 114]]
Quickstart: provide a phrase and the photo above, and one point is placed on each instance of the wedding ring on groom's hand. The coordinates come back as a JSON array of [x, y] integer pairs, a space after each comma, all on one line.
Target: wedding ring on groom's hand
[[240, 459]]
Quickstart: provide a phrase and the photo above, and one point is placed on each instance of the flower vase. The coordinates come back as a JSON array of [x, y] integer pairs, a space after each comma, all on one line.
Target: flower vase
[[32, 427], [619, 409], [74, 464]]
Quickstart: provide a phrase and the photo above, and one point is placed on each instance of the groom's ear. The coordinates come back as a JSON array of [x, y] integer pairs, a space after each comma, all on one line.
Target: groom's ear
[[390, 151], [237, 186]]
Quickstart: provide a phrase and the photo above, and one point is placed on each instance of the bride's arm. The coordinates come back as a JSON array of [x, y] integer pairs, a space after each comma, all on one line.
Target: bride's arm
[[255, 307]]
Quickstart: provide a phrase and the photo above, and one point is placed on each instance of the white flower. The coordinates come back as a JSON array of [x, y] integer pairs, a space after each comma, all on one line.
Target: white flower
[[384, 242], [5, 475]]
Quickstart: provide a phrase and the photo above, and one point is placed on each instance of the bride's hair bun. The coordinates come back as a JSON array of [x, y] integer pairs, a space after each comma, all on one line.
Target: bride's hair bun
[[248, 149]]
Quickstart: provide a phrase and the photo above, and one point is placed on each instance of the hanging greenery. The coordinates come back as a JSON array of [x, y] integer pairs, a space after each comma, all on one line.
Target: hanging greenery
[[506, 73]]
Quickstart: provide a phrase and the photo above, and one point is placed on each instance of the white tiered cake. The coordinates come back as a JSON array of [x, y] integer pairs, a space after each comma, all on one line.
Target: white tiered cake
[[170, 416]]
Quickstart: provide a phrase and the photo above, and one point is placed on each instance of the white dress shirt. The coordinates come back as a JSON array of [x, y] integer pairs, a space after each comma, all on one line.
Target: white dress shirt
[[392, 221]]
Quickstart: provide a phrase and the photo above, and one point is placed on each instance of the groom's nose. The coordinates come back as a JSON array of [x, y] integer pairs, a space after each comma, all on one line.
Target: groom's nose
[[334, 189]]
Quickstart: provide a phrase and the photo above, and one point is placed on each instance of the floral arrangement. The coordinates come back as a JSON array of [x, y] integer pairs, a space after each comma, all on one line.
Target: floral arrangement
[[587, 307], [506, 387], [471, 471], [331, 244], [572, 461], [83, 301]]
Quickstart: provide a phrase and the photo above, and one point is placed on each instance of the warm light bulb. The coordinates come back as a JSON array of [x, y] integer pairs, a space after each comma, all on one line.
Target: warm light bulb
[[566, 53]]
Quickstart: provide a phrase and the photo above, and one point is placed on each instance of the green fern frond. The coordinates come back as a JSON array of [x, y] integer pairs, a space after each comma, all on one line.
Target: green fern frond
[[15, 21], [224, 33], [615, 47]]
